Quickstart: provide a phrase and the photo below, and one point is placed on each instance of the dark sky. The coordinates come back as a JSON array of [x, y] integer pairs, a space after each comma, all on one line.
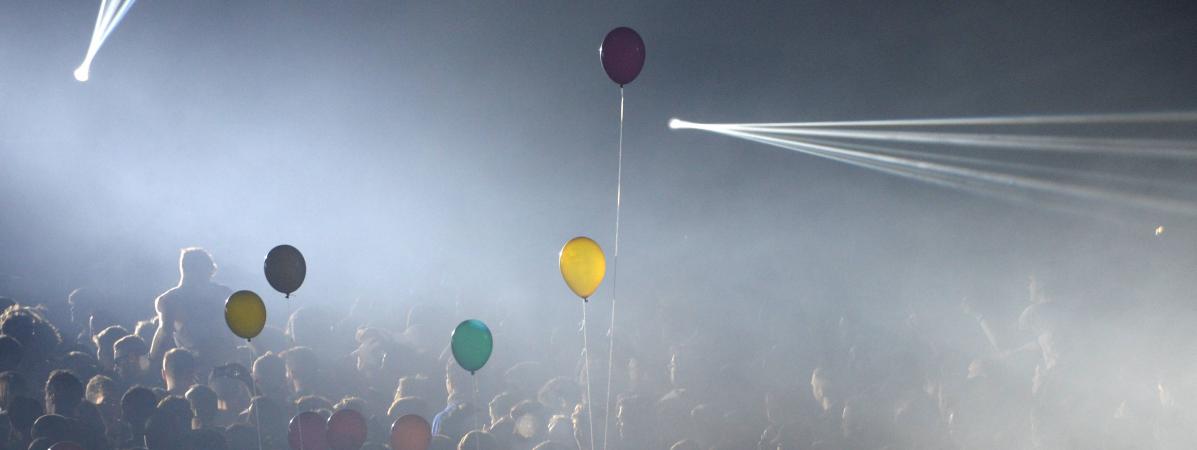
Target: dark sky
[[454, 146]]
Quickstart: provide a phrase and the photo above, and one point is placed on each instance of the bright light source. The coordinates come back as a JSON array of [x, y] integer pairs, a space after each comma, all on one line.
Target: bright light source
[[1159, 230], [82, 73], [679, 124]]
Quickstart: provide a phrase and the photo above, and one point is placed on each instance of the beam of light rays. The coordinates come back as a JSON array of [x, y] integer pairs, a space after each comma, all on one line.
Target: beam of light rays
[[109, 16], [1000, 193], [1169, 149], [1070, 119], [116, 19], [955, 176], [1020, 168]]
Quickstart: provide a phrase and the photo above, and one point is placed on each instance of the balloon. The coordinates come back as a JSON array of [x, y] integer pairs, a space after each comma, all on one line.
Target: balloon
[[346, 430], [285, 269], [66, 445], [583, 265], [472, 344], [411, 432], [245, 314], [307, 432], [622, 55]]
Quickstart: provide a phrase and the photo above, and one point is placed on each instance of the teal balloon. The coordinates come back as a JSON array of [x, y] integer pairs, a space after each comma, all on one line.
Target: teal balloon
[[472, 344]]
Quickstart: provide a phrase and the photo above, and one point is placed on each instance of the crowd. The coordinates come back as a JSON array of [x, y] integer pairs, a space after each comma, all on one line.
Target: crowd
[[179, 380]]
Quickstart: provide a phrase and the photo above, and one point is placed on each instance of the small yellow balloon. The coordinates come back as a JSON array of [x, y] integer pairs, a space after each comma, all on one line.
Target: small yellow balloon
[[245, 314], [583, 265]]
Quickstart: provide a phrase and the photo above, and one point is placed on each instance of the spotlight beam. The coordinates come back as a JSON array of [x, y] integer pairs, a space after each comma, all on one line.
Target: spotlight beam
[[1110, 146], [1071, 119], [954, 176]]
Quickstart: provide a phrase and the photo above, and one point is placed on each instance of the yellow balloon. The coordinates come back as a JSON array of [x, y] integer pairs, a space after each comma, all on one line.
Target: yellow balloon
[[245, 314], [583, 265]]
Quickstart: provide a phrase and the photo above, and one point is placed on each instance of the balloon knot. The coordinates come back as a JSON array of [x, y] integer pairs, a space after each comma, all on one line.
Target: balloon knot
[[471, 373], [585, 299], [287, 296]]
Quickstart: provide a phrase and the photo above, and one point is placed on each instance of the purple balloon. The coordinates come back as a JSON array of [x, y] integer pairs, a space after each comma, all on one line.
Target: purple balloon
[[622, 55]]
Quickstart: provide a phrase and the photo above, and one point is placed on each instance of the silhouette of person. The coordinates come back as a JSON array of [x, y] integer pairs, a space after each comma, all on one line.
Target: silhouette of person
[[190, 315]]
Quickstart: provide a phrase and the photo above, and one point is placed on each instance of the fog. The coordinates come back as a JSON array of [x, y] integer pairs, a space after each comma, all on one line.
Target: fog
[[440, 154]]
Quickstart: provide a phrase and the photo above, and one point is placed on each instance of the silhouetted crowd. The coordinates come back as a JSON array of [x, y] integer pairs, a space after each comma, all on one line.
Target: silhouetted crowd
[[180, 380]]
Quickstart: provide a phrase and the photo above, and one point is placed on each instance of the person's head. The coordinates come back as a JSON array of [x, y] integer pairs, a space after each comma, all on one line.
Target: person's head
[[12, 384], [409, 405], [82, 302], [373, 345], [83, 365], [824, 388], [38, 337], [179, 409], [312, 403], [416, 386], [178, 369], [196, 265], [11, 353], [478, 439], [104, 341], [303, 367], [162, 431], [203, 405], [64, 393], [103, 394], [145, 329], [560, 394], [137, 405], [530, 419], [101, 389], [308, 327], [270, 373], [51, 426], [22, 412], [130, 357], [231, 384], [355, 403], [500, 406]]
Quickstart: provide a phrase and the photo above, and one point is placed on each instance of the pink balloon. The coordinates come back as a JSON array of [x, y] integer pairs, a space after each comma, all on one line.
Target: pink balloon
[[307, 432], [66, 445], [346, 430], [411, 432]]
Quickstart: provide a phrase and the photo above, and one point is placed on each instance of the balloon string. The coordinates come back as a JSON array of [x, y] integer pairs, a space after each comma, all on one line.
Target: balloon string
[[477, 442], [614, 274], [586, 365], [253, 389]]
